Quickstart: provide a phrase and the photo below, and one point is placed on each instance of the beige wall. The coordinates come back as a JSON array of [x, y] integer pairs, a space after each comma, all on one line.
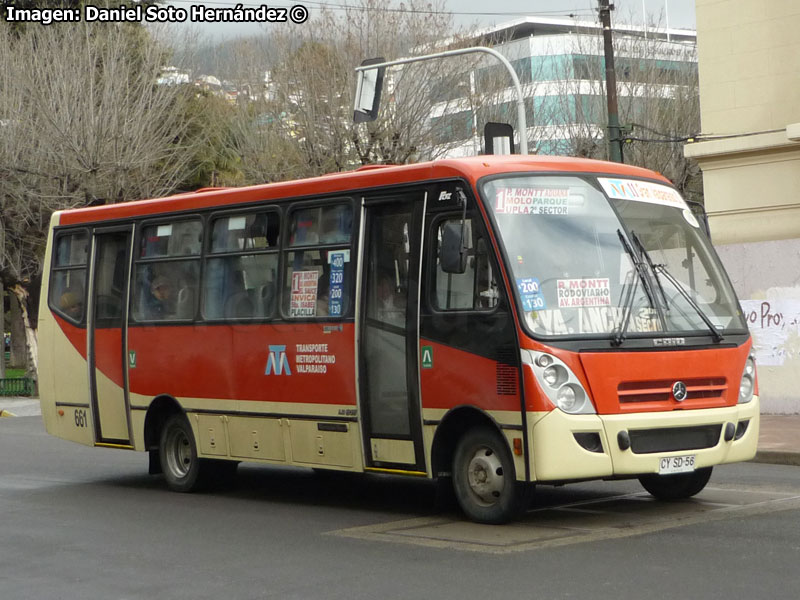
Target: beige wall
[[749, 61], [749, 64]]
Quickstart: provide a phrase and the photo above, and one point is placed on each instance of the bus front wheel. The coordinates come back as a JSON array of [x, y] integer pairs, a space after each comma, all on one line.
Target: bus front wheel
[[484, 478], [178, 453], [676, 487]]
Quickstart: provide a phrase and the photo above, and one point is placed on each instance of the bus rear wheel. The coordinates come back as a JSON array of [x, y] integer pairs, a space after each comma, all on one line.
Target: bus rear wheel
[[182, 468], [676, 487], [484, 478]]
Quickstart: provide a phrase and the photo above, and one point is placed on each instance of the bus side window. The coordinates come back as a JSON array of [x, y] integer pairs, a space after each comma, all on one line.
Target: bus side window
[[167, 271], [318, 268], [68, 276], [242, 266], [476, 287]]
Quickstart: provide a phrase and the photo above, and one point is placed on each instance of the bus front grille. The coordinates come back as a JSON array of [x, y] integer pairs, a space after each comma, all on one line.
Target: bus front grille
[[674, 439], [708, 388]]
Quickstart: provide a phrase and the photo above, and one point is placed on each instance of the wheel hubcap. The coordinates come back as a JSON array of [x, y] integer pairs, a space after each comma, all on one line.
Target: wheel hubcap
[[485, 475], [179, 453]]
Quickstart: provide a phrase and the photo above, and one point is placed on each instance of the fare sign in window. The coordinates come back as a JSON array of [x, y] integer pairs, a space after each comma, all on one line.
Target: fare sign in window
[[336, 287], [304, 294]]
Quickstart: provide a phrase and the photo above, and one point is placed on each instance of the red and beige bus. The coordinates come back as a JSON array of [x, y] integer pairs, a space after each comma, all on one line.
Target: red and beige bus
[[490, 322]]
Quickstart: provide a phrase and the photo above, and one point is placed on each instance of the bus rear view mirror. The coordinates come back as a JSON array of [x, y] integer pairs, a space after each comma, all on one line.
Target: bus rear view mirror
[[368, 91], [453, 255]]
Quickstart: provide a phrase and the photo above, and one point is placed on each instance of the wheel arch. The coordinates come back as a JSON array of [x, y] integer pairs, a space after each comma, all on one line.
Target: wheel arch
[[160, 409], [453, 425]]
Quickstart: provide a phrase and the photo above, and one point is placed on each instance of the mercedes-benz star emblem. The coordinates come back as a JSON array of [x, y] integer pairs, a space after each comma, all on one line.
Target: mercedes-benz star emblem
[[679, 391]]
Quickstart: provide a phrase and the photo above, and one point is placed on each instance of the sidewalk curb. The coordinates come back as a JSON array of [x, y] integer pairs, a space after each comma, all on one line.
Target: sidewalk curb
[[777, 457]]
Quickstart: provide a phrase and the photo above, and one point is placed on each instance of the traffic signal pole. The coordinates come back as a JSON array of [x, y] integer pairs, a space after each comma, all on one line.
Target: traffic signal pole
[[521, 122]]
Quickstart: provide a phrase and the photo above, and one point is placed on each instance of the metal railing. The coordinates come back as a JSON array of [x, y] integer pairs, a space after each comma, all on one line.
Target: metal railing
[[17, 386]]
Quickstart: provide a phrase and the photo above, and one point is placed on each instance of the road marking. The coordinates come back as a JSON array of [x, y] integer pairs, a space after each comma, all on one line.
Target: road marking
[[579, 522]]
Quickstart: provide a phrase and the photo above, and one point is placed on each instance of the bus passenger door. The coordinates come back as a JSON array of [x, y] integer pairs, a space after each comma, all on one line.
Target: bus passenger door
[[107, 318], [388, 316]]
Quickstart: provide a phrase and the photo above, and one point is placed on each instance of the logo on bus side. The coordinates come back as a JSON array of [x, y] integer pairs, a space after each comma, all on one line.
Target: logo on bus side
[[427, 357], [277, 362], [679, 391]]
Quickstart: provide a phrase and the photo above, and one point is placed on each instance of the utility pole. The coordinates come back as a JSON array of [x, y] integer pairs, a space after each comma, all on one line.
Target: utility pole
[[614, 133]]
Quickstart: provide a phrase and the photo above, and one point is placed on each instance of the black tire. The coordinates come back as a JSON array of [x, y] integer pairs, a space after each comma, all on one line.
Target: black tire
[[182, 468], [484, 478], [676, 487]]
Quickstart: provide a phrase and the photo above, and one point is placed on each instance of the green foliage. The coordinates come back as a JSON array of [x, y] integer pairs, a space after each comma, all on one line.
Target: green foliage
[[214, 160]]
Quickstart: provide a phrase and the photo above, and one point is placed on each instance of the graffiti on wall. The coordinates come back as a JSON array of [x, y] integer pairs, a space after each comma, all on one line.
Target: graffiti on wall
[[775, 326]]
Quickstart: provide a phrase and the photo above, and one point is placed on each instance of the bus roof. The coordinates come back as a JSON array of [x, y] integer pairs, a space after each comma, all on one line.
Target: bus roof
[[372, 176]]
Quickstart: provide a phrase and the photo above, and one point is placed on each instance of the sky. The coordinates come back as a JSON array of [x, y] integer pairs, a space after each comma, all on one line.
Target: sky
[[677, 13]]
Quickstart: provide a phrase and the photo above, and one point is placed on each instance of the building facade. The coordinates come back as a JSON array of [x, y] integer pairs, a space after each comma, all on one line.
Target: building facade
[[560, 65], [749, 67]]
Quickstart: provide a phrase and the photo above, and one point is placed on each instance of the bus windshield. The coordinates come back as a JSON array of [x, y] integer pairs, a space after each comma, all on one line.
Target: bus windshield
[[609, 257]]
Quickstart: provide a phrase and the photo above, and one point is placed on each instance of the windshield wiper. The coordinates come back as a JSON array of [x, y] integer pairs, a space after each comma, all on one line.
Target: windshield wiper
[[643, 252], [627, 305], [679, 286], [660, 268]]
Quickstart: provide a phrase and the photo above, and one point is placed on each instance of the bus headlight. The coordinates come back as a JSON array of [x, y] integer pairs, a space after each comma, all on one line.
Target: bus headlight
[[554, 376], [748, 383], [570, 397], [559, 383]]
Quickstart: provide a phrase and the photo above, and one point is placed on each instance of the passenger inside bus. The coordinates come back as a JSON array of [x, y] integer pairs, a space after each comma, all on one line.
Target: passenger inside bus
[[161, 302], [71, 303]]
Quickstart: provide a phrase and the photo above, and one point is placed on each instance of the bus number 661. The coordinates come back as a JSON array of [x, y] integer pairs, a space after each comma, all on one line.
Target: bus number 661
[[81, 420]]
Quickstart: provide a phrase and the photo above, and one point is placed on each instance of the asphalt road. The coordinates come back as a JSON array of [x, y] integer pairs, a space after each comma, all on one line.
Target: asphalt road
[[84, 523]]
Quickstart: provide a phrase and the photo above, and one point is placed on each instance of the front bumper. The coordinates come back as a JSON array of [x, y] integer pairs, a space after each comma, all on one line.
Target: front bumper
[[558, 456]]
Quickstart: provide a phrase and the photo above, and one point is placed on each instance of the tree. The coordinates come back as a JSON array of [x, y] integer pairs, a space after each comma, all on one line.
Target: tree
[[82, 123], [303, 125]]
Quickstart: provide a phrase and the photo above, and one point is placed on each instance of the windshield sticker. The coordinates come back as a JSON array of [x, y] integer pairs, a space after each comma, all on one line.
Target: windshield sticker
[[532, 201], [304, 294], [642, 191], [549, 322], [574, 293], [531, 294], [690, 218], [591, 320]]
